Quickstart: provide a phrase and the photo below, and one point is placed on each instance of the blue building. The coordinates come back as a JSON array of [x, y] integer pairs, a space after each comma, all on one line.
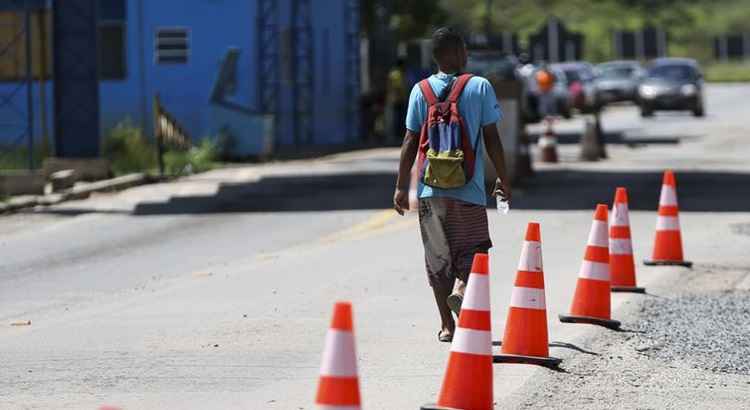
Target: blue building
[[271, 75]]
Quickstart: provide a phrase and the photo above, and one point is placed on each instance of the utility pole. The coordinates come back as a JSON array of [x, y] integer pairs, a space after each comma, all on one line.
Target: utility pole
[[488, 19]]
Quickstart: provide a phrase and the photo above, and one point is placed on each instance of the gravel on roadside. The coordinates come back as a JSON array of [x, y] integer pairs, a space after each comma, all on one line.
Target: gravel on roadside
[[684, 345]]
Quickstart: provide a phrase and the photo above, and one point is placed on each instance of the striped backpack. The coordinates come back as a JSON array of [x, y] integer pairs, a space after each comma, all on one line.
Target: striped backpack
[[446, 157]]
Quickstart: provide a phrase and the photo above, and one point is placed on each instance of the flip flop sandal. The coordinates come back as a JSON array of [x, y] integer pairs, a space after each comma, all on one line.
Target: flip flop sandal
[[454, 302], [444, 337]]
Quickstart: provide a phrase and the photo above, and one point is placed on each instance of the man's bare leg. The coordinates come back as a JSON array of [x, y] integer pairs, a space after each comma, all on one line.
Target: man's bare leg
[[446, 317], [456, 297]]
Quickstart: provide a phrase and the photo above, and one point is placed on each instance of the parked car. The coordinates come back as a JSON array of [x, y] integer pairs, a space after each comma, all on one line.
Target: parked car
[[560, 91], [581, 85], [618, 81], [672, 84]]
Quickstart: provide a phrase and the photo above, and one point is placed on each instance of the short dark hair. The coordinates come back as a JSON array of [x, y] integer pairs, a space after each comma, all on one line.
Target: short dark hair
[[445, 42]]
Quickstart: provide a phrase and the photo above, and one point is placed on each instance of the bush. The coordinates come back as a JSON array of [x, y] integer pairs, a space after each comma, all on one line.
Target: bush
[[200, 158], [129, 150]]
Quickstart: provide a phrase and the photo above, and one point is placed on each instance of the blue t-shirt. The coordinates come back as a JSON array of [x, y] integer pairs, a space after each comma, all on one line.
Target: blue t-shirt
[[479, 107]]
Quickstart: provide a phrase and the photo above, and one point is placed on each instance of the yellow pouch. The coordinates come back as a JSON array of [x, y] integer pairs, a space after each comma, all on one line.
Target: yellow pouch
[[445, 169]]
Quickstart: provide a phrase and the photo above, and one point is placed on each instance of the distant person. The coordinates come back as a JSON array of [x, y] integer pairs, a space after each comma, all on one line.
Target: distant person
[[545, 81], [396, 99], [453, 221]]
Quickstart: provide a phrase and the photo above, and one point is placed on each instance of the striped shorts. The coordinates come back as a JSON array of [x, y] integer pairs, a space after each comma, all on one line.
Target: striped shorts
[[452, 232]]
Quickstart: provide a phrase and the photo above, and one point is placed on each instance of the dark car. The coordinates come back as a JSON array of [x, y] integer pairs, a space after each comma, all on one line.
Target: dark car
[[581, 86], [618, 81], [672, 84]]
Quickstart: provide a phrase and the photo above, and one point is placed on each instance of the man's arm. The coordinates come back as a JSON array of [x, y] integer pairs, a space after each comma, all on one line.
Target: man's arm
[[408, 154], [495, 151]]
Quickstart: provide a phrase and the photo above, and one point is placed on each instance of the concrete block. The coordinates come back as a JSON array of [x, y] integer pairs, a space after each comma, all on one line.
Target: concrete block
[[64, 179], [21, 183], [87, 169]]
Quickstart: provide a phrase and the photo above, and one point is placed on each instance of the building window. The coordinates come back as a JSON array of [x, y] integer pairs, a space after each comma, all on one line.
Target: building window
[[172, 45], [13, 45], [112, 39]]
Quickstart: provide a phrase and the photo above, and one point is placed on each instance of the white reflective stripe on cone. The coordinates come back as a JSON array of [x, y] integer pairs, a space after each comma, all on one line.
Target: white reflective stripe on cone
[[620, 215], [528, 298], [620, 247], [477, 296], [531, 257], [338, 356], [667, 223], [594, 270], [331, 407], [598, 236], [472, 341], [668, 196]]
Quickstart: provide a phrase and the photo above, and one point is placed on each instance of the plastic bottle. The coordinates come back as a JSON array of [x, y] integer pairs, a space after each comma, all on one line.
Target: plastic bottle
[[503, 207]]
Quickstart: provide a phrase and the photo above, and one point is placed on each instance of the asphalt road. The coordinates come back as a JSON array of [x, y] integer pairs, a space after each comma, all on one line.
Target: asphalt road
[[216, 291]]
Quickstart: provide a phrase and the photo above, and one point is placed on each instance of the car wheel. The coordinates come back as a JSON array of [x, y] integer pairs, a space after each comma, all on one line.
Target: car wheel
[[698, 111], [646, 112]]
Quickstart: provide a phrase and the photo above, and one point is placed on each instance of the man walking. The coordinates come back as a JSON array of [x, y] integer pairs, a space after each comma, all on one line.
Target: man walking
[[452, 203]]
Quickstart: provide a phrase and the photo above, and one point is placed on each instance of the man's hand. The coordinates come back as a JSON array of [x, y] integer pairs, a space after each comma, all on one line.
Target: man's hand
[[401, 201], [503, 189]]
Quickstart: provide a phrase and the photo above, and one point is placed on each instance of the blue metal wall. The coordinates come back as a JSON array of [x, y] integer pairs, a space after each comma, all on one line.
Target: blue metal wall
[[215, 26]]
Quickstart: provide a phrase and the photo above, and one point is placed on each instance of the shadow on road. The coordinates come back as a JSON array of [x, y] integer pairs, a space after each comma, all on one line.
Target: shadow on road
[[698, 191], [547, 190], [619, 138]]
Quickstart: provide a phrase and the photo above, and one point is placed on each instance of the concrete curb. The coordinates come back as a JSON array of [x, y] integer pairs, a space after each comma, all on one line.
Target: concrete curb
[[79, 191]]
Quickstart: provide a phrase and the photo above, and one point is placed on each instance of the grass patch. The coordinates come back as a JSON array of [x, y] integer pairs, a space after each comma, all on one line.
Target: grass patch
[[728, 72], [17, 157]]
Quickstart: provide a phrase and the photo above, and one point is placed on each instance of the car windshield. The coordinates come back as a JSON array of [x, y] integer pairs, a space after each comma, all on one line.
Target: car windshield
[[572, 75], [616, 72], [671, 72]]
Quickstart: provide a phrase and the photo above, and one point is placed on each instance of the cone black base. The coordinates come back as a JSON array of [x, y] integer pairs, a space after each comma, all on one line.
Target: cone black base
[[686, 264], [631, 289], [608, 323], [516, 358], [435, 407]]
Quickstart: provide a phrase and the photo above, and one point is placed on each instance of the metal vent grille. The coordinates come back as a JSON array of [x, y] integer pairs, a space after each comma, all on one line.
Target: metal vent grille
[[172, 45]]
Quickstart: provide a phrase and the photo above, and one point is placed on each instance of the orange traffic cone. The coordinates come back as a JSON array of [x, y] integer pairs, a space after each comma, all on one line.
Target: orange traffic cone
[[548, 145], [468, 378], [338, 388], [668, 241], [621, 263], [591, 302], [525, 339]]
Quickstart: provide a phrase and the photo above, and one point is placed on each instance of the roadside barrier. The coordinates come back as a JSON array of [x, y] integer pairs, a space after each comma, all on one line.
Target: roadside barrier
[[338, 388], [668, 240], [591, 302], [525, 339], [468, 378], [621, 262]]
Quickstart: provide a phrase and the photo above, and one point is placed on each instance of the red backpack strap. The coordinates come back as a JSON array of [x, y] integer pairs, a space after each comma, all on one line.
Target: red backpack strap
[[427, 92], [458, 87]]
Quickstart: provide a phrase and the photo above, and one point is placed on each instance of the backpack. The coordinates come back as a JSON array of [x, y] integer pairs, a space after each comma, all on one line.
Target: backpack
[[446, 157]]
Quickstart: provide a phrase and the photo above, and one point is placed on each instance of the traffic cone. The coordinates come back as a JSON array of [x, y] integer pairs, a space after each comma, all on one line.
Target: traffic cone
[[621, 263], [468, 378], [591, 302], [525, 339], [668, 241], [338, 388], [548, 144]]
